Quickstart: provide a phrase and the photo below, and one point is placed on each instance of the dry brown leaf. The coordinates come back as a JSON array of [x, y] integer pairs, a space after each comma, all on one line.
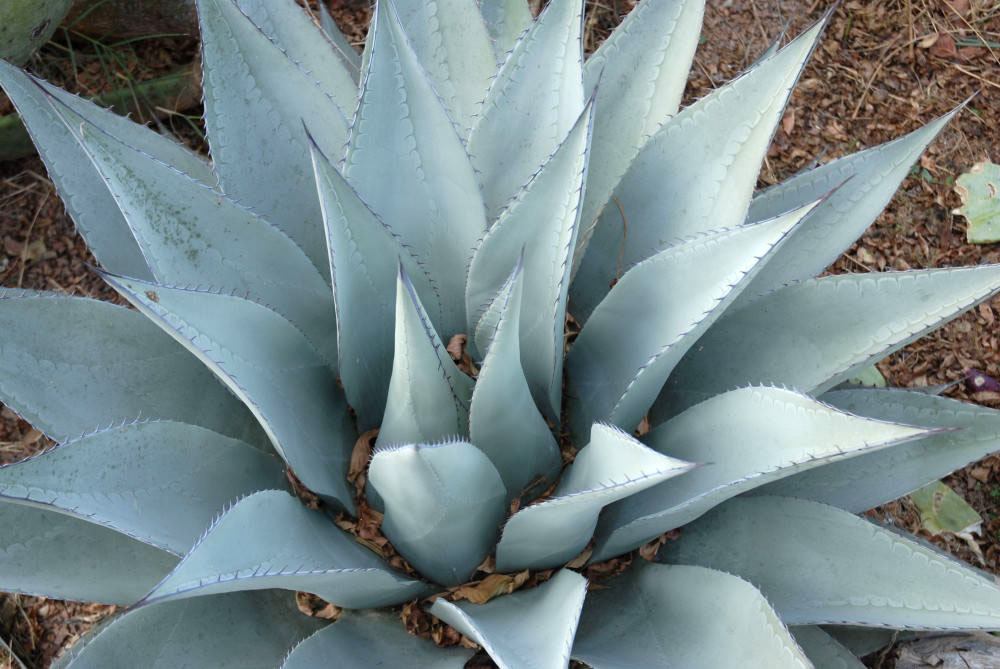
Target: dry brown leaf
[[456, 346], [315, 607], [944, 47], [361, 455], [788, 121], [305, 495], [582, 558], [492, 586], [649, 550]]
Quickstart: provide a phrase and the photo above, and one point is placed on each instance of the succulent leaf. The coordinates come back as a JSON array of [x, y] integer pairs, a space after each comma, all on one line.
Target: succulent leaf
[[527, 629], [616, 373], [866, 180], [443, 506], [642, 69], [879, 477], [190, 233], [751, 436], [362, 639], [534, 101], [452, 44], [240, 630], [270, 540], [168, 482], [654, 607], [817, 333], [256, 100], [822, 649], [506, 21], [729, 130], [365, 255], [269, 366], [545, 228], [504, 422], [103, 566], [825, 565], [341, 45], [428, 396], [82, 189], [72, 365], [611, 467], [407, 162]]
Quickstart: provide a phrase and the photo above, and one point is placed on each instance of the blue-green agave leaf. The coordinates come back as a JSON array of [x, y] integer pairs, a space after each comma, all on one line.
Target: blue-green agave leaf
[[428, 395], [72, 365], [615, 372], [343, 47], [750, 436], [506, 21], [643, 68], [443, 505], [268, 365], [869, 178], [876, 478], [823, 650], [455, 49], [611, 467], [542, 220], [504, 422], [827, 566], [240, 630], [407, 162], [364, 639], [817, 333], [728, 133], [160, 482], [289, 28], [88, 202], [864, 640], [657, 615], [256, 100], [190, 233], [270, 540], [365, 255], [50, 554], [525, 630], [531, 106]]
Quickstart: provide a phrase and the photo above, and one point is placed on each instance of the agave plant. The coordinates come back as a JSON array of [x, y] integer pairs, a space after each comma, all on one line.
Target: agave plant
[[484, 180]]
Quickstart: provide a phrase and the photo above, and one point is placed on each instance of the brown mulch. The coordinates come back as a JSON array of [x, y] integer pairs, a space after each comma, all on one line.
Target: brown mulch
[[882, 69]]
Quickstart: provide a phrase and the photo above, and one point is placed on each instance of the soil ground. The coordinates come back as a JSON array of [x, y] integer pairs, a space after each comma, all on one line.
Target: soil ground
[[883, 69]]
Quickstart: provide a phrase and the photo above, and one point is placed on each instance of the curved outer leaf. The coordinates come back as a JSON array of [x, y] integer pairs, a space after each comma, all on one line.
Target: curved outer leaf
[[532, 104], [92, 208], [289, 28], [869, 178], [365, 255], [823, 650], [615, 373], [611, 467], [364, 639], [728, 133], [72, 365], [751, 436], [452, 44], [256, 100], [815, 334], [407, 162], [271, 367], [504, 422], [50, 554], [643, 69], [656, 615], [428, 395], [825, 565], [506, 21], [876, 478], [541, 223], [190, 234], [159, 482], [443, 506], [270, 540], [241, 630], [528, 629]]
